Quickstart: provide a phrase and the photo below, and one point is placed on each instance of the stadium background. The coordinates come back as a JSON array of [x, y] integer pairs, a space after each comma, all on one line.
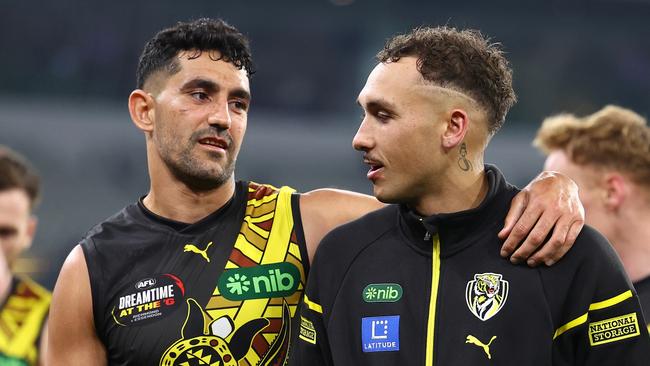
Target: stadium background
[[67, 67]]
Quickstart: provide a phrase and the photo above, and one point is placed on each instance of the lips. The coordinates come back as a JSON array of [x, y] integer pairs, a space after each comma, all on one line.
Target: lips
[[214, 142], [376, 168]]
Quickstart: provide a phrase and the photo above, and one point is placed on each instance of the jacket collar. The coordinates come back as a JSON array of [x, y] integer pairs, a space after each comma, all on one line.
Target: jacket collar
[[460, 229]]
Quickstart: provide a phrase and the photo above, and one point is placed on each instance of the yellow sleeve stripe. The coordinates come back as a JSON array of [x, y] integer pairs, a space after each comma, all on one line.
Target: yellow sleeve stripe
[[595, 306], [611, 302], [572, 324], [313, 306]]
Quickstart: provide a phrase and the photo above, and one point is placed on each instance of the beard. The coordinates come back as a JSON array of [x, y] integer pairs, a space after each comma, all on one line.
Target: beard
[[198, 174]]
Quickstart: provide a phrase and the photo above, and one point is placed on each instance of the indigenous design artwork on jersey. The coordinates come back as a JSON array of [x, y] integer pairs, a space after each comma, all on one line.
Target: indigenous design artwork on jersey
[[21, 322], [264, 278], [486, 295], [203, 340]]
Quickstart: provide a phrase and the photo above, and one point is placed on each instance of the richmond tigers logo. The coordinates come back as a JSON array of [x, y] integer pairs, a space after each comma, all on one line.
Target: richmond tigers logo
[[486, 295]]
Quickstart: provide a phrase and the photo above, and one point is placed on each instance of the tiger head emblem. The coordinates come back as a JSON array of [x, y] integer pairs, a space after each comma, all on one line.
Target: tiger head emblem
[[486, 295]]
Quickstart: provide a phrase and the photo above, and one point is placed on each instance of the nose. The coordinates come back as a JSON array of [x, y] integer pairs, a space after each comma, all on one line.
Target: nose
[[220, 116], [362, 141]]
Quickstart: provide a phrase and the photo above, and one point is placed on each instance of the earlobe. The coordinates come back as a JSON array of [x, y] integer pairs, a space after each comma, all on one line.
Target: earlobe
[[615, 191], [456, 129], [141, 109], [31, 230]]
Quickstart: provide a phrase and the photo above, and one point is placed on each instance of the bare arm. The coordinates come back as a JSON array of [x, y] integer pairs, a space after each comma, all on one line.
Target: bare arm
[[324, 209], [548, 204], [72, 339]]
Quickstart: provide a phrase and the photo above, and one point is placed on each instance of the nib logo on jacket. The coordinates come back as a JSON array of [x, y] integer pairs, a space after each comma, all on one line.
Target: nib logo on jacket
[[382, 292]]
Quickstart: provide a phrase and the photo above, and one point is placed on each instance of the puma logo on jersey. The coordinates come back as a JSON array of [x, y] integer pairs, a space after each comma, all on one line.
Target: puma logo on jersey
[[486, 347], [194, 249]]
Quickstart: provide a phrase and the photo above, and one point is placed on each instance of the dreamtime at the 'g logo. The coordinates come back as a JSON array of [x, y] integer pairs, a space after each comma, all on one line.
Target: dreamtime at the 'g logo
[[486, 295]]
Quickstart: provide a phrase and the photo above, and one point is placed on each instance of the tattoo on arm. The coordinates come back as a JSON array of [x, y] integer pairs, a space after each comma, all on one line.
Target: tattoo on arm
[[463, 163]]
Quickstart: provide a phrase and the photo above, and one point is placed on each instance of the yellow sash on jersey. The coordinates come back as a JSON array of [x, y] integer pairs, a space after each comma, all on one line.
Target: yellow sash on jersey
[[267, 237]]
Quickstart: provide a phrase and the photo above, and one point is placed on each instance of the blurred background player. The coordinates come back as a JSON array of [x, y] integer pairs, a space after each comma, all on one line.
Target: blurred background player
[[608, 155], [25, 304]]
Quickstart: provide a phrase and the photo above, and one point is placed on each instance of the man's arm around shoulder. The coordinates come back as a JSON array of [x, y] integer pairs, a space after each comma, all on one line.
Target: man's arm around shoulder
[[72, 338], [322, 210]]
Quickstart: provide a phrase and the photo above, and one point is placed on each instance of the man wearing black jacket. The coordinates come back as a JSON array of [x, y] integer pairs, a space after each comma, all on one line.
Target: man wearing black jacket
[[421, 282]]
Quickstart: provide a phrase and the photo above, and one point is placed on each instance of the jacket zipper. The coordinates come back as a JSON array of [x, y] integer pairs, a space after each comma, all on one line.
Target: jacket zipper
[[435, 281]]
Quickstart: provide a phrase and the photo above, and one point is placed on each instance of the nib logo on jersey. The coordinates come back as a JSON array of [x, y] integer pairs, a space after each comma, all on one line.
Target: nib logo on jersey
[[149, 299], [265, 281]]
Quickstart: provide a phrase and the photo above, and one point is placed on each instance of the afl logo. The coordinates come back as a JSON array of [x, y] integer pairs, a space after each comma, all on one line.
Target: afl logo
[[145, 284]]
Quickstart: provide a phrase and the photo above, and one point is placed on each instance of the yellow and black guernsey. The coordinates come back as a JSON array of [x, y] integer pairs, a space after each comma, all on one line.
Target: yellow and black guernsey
[[22, 317], [219, 292], [393, 288]]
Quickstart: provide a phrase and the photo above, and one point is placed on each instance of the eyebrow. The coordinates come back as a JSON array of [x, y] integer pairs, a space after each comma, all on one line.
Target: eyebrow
[[212, 87], [378, 104], [241, 93], [206, 84]]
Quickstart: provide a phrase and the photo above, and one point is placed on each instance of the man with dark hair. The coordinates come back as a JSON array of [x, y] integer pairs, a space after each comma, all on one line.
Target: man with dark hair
[[608, 155], [206, 270], [421, 282], [23, 313]]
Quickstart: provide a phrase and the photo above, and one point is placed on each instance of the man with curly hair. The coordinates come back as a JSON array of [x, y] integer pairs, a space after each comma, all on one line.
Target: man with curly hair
[[421, 282], [204, 269], [608, 155]]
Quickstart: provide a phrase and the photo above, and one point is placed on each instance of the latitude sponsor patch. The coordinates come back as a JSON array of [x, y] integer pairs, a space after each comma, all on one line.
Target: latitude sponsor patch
[[148, 299], [380, 333], [613, 329]]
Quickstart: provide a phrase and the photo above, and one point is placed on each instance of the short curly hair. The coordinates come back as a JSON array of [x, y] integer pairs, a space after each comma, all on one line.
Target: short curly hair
[[613, 138], [17, 173], [200, 35], [463, 60]]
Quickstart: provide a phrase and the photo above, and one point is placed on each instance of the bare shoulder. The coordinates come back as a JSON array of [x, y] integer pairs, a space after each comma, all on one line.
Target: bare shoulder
[[72, 339], [322, 210]]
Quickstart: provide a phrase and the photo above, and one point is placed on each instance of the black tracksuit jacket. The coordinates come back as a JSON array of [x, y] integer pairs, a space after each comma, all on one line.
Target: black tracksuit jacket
[[393, 288]]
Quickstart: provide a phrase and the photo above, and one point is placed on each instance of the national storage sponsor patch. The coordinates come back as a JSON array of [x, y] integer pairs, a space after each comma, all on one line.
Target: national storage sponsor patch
[[148, 299], [613, 329], [307, 331]]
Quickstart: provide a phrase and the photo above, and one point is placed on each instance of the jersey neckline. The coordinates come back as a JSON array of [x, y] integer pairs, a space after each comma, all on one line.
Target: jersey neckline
[[188, 228]]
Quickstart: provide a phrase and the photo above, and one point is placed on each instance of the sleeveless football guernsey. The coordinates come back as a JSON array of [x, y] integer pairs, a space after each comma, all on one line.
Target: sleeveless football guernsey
[[21, 322], [222, 291]]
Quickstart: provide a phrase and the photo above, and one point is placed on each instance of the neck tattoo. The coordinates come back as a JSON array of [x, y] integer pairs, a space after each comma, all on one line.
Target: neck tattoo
[[463, 163]]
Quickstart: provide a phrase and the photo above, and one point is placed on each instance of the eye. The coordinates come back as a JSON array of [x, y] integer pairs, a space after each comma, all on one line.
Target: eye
[[239, 105], [200, 96], [7, 232], [383, 116]]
